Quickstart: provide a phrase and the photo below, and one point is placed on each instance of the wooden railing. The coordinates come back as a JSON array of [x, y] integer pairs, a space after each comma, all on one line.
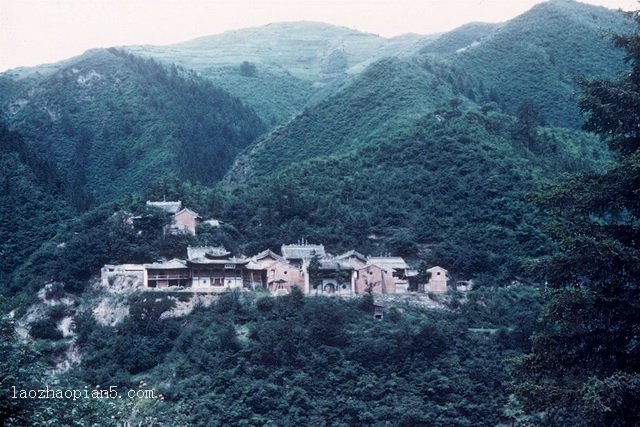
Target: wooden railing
[[169, 277]]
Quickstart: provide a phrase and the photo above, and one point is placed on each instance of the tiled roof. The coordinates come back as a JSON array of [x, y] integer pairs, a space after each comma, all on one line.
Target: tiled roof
[[201, 251], [389, 262], [334, 264], [265, 254], [188, 211], [302, 251], [168, 265], [170, 207], [352, 253]]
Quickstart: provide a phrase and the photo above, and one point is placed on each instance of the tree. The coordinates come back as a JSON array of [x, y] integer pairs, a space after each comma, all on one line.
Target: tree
[[526, 127], [313, 270], [584, 366], [247, 69]]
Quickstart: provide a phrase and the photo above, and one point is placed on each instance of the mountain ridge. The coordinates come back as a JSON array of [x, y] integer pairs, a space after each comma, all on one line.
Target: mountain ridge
[[115, 122]]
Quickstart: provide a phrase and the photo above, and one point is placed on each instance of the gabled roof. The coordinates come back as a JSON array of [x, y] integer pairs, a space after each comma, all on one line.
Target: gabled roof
[[334, 264], [170, 207], [267, 253], [187, 211], [395, 263], [369, 264], [167, 265], [352, 253], [218, 261], [437, 267], [251, 265], [303, 251], [203, 251]]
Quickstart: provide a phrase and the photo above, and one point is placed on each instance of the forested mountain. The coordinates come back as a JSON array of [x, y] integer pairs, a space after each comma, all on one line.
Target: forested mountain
[[431, 148], [537, 56], [32, 202], [450, 187], [389, 95], [115, 123], [399, 104], [460, 38], [532, 61]]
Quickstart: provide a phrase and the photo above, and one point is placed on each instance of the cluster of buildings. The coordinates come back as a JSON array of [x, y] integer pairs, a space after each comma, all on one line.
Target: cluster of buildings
[[307, 266]]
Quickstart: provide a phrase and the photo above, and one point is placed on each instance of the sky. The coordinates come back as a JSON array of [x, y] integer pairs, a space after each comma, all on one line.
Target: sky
[[34, 32]]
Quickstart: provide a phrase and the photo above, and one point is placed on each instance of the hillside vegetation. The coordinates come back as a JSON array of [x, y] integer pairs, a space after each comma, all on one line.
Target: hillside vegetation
[[280, 68], [307, 361], [388, 96], [312, 51], [463, 155], [450, 189], [537, 56], [115, 123], [31, 202]]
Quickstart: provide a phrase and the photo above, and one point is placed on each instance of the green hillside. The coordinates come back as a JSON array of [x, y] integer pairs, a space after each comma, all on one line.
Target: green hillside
[[537, 56], [449, 189], [293, 62], [314, 361], [466, 155], [541, 52], [460, 38], [388, 96], [31, 202], [308, 50], [274, 95], [116, 123]]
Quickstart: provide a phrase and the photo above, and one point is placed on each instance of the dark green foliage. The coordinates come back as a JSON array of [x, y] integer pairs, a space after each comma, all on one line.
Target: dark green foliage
[[136, 345], [584, 366], [275, 96], [388, 96], [21, 367], [454, 183], [45, 329], [83, 245], [31, 202], [115, 123], [303, 361], [247, 69], [537, 56]]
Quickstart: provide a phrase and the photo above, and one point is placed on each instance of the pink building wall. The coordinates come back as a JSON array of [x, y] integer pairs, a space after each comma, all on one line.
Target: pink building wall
[[382, 279], [186, 221]]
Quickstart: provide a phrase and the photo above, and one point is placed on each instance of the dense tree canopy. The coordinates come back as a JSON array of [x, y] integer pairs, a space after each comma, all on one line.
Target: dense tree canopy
[[585, 363]]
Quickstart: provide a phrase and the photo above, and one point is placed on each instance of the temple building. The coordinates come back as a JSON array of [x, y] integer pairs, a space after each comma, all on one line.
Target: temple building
[[303, 265]]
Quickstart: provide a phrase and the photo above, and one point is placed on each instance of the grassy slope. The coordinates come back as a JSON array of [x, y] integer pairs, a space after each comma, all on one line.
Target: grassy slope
[[301, 48], [296, 61], [274, 95]]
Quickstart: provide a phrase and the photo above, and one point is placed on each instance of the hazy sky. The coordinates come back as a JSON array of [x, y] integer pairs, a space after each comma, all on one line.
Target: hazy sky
[[40, 31]]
